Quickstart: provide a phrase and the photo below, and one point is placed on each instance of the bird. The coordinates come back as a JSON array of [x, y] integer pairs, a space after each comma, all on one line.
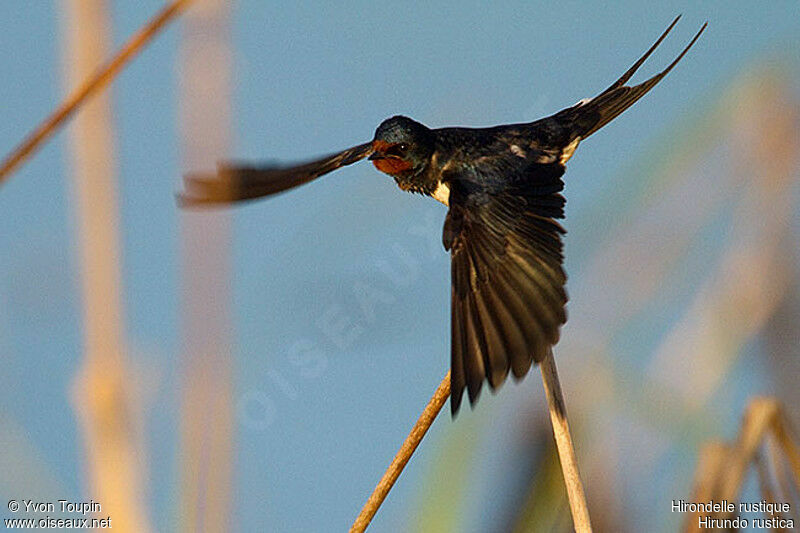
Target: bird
[[502, 186]]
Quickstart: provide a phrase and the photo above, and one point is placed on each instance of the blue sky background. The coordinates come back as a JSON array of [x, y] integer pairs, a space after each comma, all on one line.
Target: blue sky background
[[310, 78]]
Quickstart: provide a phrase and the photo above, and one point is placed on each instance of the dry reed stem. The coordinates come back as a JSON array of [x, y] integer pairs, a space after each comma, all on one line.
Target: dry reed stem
[[713, 460], [764, 418], [566, 450], [91, 85], [403, 456], [765, 484], [207, 397], [788, 442], [785, 486], [758, 418], [101, 393]]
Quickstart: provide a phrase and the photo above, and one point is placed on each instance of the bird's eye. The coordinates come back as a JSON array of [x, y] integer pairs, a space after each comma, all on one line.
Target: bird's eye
[[397, 149]]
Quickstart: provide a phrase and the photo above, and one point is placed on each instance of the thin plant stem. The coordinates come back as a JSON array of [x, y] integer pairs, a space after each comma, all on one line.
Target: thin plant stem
[[566, 451], [108, 405], [207, 410], [403, 456], [90, 86]]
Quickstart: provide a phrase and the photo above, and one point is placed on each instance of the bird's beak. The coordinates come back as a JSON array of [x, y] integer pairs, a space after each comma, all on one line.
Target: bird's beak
[[379, 150]]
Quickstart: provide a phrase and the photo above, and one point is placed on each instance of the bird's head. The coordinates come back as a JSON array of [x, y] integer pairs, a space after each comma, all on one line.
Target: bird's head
[[402, 147]]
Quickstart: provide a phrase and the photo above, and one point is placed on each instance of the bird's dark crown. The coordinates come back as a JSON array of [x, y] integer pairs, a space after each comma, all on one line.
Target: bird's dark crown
[[399, 129]]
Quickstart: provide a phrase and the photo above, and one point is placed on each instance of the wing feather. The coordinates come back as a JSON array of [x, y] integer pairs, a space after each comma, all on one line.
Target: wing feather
[[473, 355], [508, 295], [458, 335], [235, 183]]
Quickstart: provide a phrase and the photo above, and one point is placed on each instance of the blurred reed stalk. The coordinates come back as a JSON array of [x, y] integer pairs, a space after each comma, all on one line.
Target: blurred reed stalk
[[106, 404], [207, 406], [95, 81], [722, 468]]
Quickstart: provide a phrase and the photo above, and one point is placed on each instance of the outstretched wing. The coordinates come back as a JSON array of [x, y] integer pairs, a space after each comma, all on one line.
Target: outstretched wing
[[508, 298], [235, 183], [589, 115]]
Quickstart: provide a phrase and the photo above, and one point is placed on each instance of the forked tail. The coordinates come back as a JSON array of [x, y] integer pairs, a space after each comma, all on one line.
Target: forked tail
[[590, 115]]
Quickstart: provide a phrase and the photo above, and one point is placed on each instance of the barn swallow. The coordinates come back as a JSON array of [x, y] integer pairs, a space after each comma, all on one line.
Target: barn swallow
[[502, 186]]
